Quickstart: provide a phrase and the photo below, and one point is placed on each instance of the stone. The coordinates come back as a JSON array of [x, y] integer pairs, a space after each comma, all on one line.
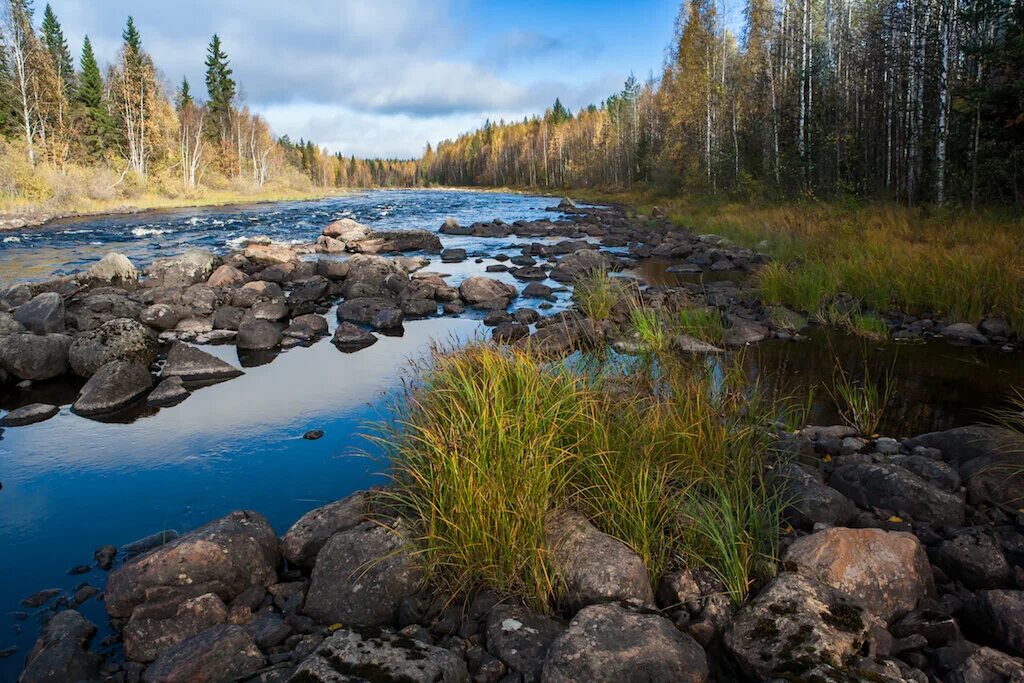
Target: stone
[[895, 489], [592, 566], [8, 325], [307, 327], [963, 333], [40, 598], [273, 310], [373, 276], [113, 268], [161, 316], [610, 644], [364, 310], [227, 276], [688, 344], [169, 392], [268, 629], [536, 290], [349, 338], [937, 472], [974, 558], [810, 502], [269, 254], [29, 414], [521, 638], [332, 269], [508, 332], [328, 245], [34, 357], [43, 314], [345, 230], [115, 385], [793, 624], [254, 334], [388, 319], [223, 557], [887, 571], [195, 265], [61, 654], [228, 318], [394, 241], [985, 665], [362, 575], [192, 364], [581, 262], [151, 631], [994, 327], [120, 339], [220, 653], [303, 541], [350, 656], [477, 289], [741, 332], [105, 556], [453, 255], [998, 616]]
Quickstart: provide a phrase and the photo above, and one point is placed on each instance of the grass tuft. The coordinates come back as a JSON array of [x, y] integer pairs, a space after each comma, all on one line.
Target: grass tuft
[[862, 402], [596, 294]]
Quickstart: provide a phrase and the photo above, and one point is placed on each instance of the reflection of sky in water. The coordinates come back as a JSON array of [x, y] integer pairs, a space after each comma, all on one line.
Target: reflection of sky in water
[[72, 484]]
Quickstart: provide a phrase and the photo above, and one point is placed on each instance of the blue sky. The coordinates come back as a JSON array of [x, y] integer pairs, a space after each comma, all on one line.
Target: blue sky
[[382, 77]]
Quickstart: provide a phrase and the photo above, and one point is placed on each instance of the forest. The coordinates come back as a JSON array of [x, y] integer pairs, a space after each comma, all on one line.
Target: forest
[[914, 101]]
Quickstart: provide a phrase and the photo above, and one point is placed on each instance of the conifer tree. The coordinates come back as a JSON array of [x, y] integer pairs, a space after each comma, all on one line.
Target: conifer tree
[[219, 87], [57, 45], [93, 119], [184, 97]]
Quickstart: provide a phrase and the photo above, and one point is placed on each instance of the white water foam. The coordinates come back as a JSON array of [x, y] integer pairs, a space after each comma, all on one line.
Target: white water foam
[[146, 232]]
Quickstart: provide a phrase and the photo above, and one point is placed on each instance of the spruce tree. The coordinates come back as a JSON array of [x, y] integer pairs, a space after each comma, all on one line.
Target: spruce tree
[[8, 100], [93, 120], [131, 36], [57, 46], [184, 96], [90, 80], [219, 86]]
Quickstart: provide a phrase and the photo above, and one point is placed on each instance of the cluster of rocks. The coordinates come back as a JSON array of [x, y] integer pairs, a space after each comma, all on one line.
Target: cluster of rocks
[[904, 564]]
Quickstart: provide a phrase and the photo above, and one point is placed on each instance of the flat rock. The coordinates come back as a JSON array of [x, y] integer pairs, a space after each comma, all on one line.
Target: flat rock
[[349, 656], [221, 653], [115, 385], [609, 644], [303, 541], [887, 571], [170, 391], [592, 566], [688, 344], [192, 364], [362, 575], [151, 631], [30, 414], [223, 557]]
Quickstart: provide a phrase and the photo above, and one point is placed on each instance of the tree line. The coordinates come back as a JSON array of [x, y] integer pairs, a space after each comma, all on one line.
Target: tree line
[[128, 118], [916, 100]]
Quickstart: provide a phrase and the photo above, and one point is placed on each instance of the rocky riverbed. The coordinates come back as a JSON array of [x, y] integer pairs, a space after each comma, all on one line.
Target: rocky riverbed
[[903, 564]]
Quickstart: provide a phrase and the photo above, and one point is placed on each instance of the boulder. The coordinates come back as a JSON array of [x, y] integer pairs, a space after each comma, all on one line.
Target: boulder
[[385, 658], [793, 624], [688, 344], [154, 629], [43, 314], [609, 644], [328, 245], [223, 557], [307, 327], [195, 265], [332, 269], [373, 276], [364, 309], [985, 665], [220, 653], [997, 616], [742, 332], [509, 332], [119, 339], [394, 241], [897, 490], [963, 333], [581, 262], [349, 338], [61, 654], [30, 414], [592, 566], [113, 268], [161, 316], [269, 254], [273, 310], [227, 276], [562, 337], [346, 230], [303, 541], [388, 319], [8, 325], [170, 391], [521, 638], [35, 357], [887, 571], [809, 501], [192, 364], [115, 385], [477, 289], [228, 318], [361, 576], [255, 334], [974, 558]]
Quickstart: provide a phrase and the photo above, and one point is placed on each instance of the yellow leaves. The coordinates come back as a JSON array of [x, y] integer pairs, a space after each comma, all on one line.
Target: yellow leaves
[[895, 520]]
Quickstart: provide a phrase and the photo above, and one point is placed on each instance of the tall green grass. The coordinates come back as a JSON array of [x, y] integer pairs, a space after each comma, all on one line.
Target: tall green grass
[[596, 294], [704, 324], [491, 440], [862, 401]]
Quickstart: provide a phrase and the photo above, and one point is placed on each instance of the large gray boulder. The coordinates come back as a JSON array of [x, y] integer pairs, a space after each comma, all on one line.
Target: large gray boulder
[[998, 616], [364, 310], [118, 339], [373, 276], [192, 365], [61, 654], [610, 644], [362, 575], [257, 335], [974, 557], [303, 541], [990, 461], [592, 566], [8, 325], [809, 501], [477, 289], [35, 357], [162, 316], [384, 658], [887, 571], [986, 665], [795, 618], [893, 488], [195, 265], [395, 241], [113, 268], [521, 638], [223, 557], [220, 653], [115, 385], [44, 314]]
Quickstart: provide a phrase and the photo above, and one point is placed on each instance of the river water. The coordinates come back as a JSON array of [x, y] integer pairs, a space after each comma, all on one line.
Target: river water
[[71, 484]]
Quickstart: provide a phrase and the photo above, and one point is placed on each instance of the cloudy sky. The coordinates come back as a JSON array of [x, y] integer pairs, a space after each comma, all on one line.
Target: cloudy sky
[[383, 77]]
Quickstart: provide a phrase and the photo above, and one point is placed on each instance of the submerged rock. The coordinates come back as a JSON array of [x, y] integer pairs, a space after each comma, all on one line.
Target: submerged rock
[[608, 644], [115, 385]]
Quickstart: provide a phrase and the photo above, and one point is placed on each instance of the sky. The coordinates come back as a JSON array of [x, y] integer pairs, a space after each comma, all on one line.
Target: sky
[[381, 78]]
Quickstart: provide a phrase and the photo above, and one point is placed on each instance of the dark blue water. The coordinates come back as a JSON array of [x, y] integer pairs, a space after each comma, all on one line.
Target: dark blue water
[[71, 484]]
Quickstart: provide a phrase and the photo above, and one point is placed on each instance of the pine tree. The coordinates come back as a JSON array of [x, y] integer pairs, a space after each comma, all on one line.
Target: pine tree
[[559, 114], [57, 45], [220, 87], [184, 97], [132, 38], [92, 119], [90, 80], [8, 98]]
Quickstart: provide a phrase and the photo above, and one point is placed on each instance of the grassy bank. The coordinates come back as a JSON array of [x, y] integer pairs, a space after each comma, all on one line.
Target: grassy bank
[[662, 456], [922, 261]]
